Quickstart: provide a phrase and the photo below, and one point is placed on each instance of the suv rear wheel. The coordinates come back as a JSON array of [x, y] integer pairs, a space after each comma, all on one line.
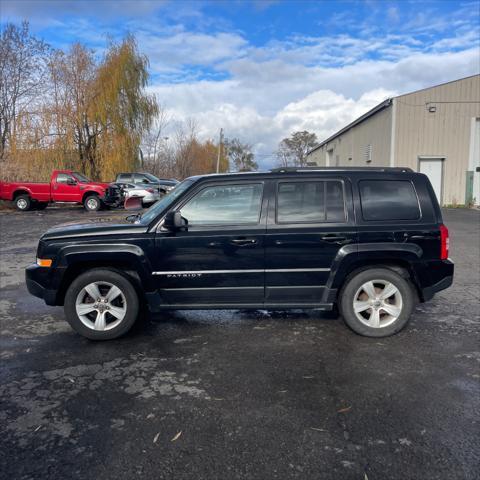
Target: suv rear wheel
[[101, 304], [376, 302]]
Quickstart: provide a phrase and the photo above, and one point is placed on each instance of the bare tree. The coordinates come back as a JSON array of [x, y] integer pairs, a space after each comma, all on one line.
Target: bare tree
[[293, 150], [23, 67], [241, 155]]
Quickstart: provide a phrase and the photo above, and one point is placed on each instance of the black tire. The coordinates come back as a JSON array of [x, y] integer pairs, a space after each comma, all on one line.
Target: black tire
[[23, 203], [114, 278], [354, 283], [41, 205], [92, 203]]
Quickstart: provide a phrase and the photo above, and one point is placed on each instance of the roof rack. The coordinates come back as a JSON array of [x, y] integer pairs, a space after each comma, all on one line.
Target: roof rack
[[340, 169]]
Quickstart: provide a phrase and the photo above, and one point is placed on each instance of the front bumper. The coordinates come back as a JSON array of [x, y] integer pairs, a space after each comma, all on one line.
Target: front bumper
[[36, 278]]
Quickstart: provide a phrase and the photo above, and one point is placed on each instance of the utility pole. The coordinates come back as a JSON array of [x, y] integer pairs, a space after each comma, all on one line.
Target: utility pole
[[219, 149]]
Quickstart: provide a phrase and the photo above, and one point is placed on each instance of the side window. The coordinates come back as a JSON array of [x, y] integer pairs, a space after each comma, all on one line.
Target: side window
[[140, 178], [310, 202], [124, 177], [63, 178], [225, 205], [388, 200]]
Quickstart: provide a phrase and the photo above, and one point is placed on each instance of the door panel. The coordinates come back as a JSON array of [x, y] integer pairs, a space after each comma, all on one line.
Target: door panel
[[299, 255], [63, 192], [210, 265]]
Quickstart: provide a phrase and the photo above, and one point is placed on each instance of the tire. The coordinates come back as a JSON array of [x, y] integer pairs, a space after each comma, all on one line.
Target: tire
[[99, 323], [41, 205], [92, 203], [23, 203], [372, 318]]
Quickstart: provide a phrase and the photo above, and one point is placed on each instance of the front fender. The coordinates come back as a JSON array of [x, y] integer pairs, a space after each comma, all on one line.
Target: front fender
[[73, 256]]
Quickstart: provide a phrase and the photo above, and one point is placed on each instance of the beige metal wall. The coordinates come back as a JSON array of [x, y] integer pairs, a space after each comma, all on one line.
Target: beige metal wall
[[444, 133], [374, 131]]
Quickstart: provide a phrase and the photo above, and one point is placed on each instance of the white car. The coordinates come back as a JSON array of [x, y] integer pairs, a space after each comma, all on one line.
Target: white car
[[148, 194]]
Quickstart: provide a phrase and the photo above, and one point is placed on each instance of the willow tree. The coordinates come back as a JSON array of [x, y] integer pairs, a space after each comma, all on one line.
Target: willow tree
[[121, 109]]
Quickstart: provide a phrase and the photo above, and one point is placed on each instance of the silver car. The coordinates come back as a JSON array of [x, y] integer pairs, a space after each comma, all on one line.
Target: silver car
[[148, 195]]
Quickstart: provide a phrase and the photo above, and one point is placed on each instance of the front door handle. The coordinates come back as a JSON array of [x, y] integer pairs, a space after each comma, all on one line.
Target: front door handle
[[333, 238], [244, 242]]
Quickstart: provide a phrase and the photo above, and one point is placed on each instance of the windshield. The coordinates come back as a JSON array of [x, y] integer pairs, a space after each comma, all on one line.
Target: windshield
[[165, 202], [81, 178]]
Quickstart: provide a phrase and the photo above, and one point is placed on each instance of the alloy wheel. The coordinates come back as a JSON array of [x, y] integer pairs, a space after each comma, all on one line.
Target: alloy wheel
[[378, 303], [101, 306]]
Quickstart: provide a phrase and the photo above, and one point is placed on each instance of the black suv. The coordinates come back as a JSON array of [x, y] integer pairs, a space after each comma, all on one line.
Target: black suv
[[370, 241]]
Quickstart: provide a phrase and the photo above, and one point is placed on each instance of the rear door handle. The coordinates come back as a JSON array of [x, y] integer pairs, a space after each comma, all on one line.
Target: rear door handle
[[244, 242]]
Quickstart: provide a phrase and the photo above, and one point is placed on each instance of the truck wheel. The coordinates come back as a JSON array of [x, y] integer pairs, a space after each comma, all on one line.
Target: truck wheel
[[92, 203], [41, 205], [23, 203], [101, 304], [376, 302]]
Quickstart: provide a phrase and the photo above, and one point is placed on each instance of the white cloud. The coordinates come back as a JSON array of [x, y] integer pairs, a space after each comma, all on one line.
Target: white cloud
[[263, 102]]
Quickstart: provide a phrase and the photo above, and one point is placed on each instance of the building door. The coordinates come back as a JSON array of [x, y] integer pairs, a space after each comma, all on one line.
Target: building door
[[433, 169], [473, 190]]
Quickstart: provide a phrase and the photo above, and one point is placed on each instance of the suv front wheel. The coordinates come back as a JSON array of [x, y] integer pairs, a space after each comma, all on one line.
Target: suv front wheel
[[101, 304], [376, 302]]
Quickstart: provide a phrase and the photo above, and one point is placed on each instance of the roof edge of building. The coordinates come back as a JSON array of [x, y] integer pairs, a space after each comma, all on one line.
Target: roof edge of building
[[386, 103]]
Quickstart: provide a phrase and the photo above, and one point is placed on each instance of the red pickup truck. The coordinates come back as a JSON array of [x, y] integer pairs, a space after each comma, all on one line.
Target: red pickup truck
[[64, 186]]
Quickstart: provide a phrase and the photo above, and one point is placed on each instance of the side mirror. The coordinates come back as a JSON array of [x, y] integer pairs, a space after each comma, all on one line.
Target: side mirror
[[71, 181], [133, 203], [174, 221]]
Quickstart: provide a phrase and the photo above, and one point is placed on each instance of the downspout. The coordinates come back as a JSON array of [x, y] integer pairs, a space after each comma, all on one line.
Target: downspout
[[393, 131]]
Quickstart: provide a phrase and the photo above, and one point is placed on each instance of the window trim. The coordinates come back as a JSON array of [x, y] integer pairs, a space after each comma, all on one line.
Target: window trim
[[314, 222], [420, 214], [221, 225]]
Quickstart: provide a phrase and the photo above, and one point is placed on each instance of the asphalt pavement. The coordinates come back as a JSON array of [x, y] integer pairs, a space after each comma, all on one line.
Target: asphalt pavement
[[238, 394]]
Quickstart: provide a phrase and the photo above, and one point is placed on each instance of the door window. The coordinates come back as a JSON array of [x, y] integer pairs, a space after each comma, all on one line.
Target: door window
[[63, 178], [140, 178], [310, 202], [388, 200], [225, 205]]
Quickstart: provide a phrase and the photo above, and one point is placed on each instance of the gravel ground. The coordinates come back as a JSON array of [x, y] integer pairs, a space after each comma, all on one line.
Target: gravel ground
[[234, 394]]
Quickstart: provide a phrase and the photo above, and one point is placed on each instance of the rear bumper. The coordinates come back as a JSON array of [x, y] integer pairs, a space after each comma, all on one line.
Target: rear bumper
[[441, 274], [35, 278]]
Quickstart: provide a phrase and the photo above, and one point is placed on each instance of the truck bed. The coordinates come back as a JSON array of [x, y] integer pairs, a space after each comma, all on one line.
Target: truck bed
[[37, 191]]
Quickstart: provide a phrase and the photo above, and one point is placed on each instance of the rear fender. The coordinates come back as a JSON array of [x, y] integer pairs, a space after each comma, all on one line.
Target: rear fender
[[352, 257]]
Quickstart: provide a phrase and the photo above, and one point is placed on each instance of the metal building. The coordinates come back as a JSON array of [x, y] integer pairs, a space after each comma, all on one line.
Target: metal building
[[435, 131]]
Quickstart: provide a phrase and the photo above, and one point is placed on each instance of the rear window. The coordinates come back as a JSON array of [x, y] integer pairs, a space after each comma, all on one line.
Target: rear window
[[388, 200], [310, 202]]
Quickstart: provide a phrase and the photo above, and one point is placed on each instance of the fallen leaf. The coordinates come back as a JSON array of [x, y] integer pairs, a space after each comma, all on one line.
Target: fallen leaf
[[344, 410], [176, 437], [155, 438], [70, 379], [150, 415]]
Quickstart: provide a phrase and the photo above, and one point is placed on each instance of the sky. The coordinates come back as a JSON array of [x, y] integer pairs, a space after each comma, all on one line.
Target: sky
[[262, 69]]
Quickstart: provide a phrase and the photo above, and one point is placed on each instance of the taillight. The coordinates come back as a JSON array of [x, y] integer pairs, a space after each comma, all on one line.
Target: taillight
[[150, 190], [444, 242]]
